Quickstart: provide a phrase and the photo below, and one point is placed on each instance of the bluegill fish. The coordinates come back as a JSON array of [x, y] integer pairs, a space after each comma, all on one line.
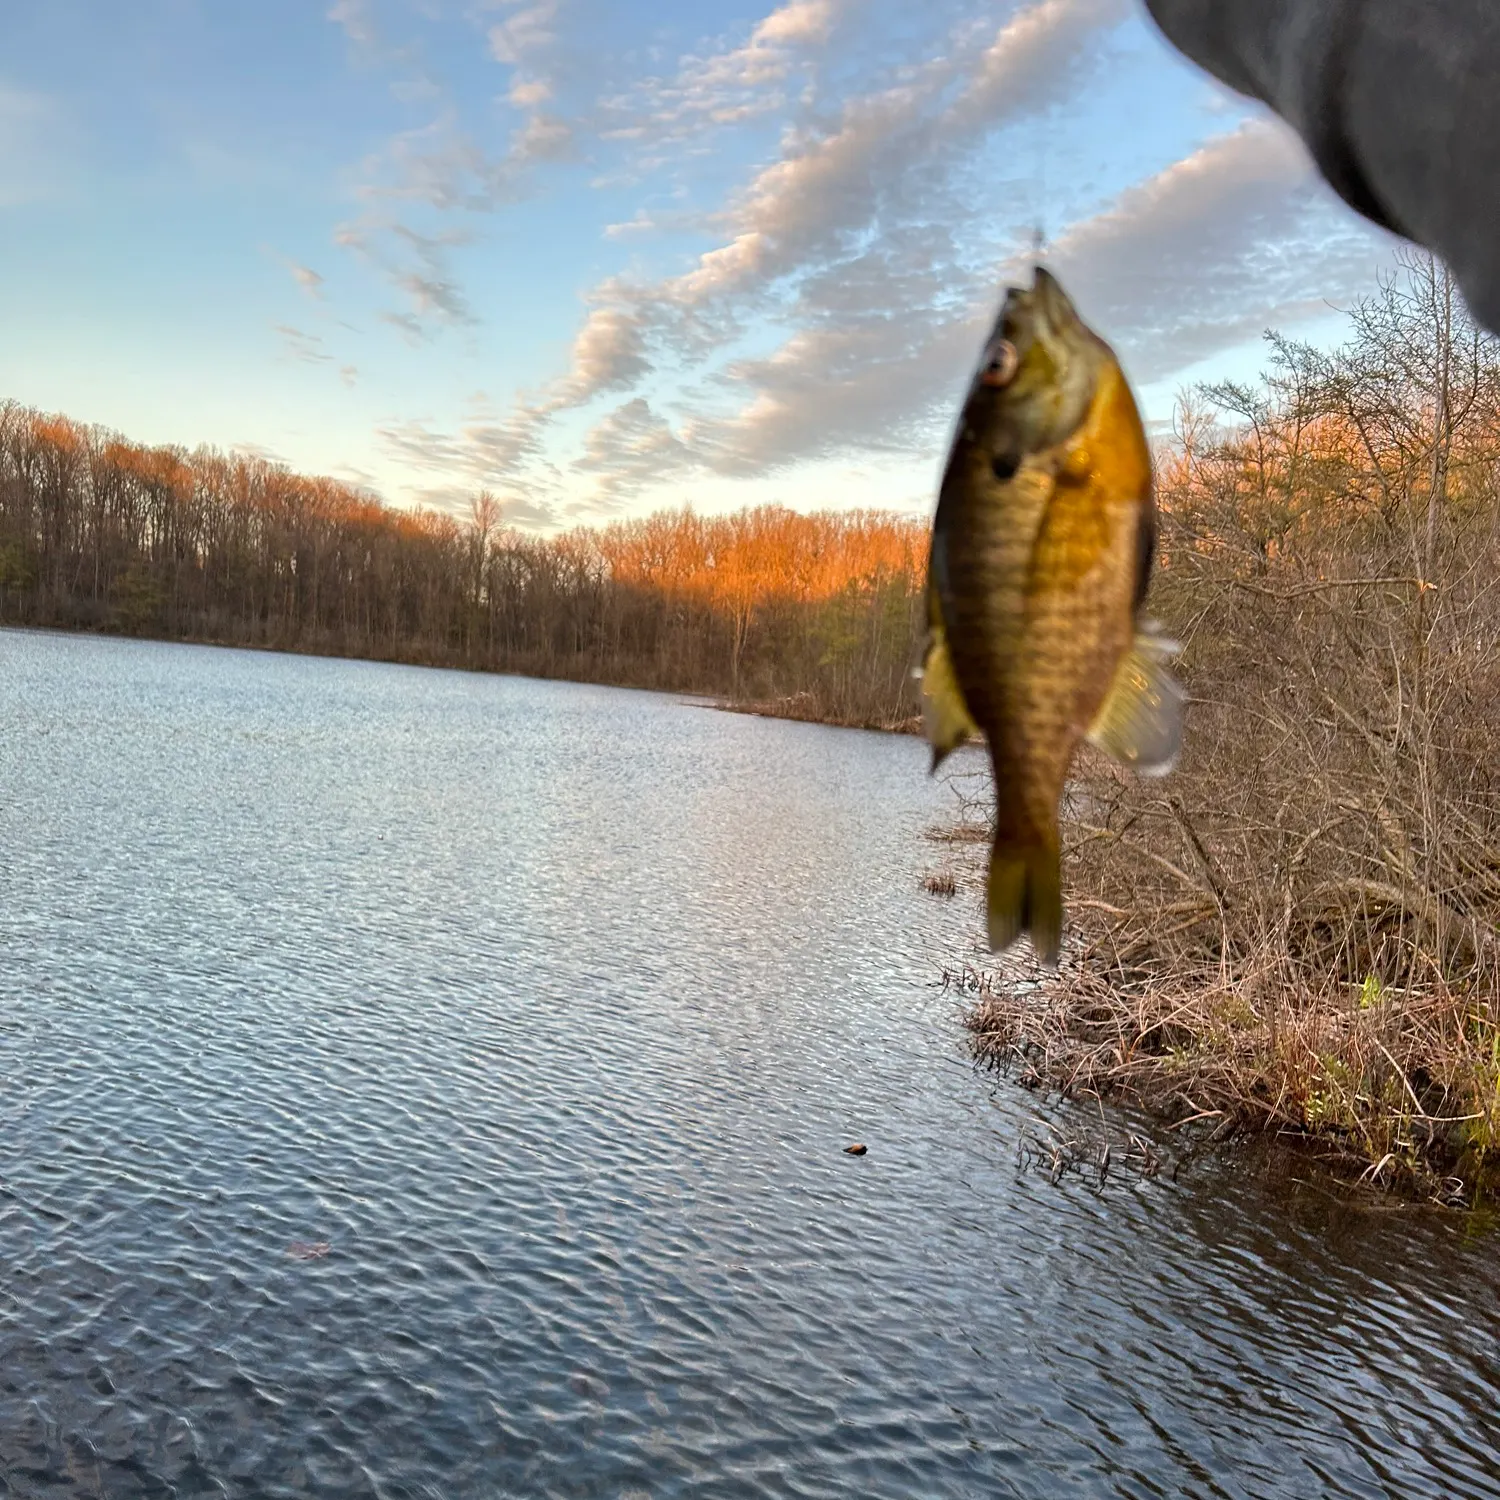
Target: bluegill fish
[[1042, 550]]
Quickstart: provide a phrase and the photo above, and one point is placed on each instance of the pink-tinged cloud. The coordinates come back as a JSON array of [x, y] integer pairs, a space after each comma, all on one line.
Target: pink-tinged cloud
[[1235, 238]]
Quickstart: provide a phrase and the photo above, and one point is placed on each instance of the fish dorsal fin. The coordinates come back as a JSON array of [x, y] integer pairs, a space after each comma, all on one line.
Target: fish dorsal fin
[[945, 715], [1140, 722]]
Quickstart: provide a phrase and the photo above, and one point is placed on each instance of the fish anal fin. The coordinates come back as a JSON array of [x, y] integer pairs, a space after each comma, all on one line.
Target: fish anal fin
[[1140, 720], [945, 715], [1025, 895]]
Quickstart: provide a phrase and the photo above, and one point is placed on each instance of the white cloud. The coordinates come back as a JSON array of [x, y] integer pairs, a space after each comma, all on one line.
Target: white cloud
[[543, 138], [445, 167], [1238, 236], [861, 238], [306, 347], [307, 278], [844, 205], [259, 451], [608, 355], [431, 287], [829, 390], [635, 448], [488, 450], [357, 21], [418, 266], [886, 161], [798, 23], [806, 220], [528, 93], [1036, 55], [891, 151], [439, 165], [728, 86], [525, 32], [528, 41], [433, 297]]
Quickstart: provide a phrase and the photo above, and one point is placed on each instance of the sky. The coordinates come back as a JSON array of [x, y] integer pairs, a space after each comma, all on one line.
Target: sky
[[599, 257]]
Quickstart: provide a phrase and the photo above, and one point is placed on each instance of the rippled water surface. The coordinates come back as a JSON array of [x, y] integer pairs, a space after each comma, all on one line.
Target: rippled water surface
[[414, 1083]]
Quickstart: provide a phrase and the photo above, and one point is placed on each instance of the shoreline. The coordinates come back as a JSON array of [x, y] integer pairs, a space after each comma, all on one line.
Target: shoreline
[[795, 710], [1394, 1090], [789, 708]]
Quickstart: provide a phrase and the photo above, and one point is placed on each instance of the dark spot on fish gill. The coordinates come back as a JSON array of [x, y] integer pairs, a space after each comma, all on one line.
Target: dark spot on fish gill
[[1004, 465]]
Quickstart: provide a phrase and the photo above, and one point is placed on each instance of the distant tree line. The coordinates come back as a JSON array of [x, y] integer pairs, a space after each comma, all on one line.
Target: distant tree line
[[815, 615]]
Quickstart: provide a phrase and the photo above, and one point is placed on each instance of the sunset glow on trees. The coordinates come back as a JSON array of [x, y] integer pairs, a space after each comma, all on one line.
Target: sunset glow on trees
[[765, 604]]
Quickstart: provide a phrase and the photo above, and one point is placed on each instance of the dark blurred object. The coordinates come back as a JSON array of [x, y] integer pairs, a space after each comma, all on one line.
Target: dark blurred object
[[1396, 99]]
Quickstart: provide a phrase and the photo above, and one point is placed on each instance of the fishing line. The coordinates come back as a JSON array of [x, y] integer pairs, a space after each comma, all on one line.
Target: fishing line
[[1039, 187]]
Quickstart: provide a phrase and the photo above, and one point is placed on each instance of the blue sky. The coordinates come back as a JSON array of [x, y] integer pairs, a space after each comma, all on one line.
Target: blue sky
[[600, 257]]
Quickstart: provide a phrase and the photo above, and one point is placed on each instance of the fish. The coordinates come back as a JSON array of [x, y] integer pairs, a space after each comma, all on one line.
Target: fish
[[1042, 553]]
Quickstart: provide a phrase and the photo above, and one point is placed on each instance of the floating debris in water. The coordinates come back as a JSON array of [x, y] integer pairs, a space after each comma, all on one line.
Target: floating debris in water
[[940, 883], [855, 1150], [308, 1249]]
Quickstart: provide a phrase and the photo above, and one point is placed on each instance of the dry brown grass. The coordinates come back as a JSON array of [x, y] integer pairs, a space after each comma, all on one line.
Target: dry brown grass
[[1399, 1089]]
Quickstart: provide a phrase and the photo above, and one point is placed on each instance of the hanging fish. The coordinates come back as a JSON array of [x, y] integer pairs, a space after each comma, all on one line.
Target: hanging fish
[[1042, 550]]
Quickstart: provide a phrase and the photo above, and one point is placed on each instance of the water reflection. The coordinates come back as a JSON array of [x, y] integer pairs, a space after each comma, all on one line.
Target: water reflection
[[548, 1010]]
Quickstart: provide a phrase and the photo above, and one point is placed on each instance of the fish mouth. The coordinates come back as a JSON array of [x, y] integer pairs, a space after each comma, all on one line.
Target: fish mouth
[[1031, 315], [1056, 308], [1039, 366], [1041, 312]]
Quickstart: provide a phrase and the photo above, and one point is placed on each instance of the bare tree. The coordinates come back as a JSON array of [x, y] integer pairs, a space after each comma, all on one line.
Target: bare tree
[[807, 614]]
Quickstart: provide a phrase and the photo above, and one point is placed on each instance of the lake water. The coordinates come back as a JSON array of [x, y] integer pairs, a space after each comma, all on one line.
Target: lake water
[[547, 1010]]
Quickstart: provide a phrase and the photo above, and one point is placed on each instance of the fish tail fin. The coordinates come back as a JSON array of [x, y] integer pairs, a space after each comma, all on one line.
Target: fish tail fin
[[945, 716], [1140, 720], [1025, 895]]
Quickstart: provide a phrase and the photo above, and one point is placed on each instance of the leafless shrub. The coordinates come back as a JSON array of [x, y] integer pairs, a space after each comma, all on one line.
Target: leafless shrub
[[1298, 929]]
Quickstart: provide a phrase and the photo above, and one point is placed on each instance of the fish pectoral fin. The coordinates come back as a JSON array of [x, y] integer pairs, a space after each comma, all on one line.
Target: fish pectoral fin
[[1140, 722], [945, 715], [1025, 895]]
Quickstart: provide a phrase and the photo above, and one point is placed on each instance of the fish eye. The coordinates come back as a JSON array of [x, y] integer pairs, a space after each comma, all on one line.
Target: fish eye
[[1000, 365]]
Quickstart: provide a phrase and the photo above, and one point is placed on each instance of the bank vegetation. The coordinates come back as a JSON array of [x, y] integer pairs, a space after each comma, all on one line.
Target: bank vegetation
[[1299, 929]]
